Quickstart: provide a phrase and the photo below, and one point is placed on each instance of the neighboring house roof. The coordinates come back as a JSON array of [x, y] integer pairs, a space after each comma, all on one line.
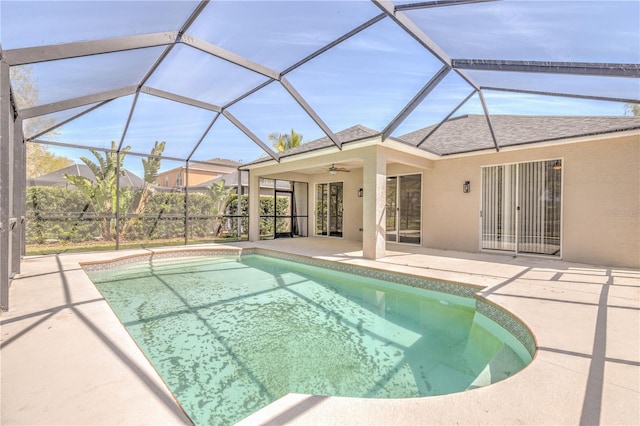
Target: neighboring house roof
[[218, 165], [470, 133], [57, 178], [231, 180]]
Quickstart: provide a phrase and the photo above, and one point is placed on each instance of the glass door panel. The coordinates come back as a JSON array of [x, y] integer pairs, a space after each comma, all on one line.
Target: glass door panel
[[321, 208], [403, 206], [335, 209], [539, 204], [329, 209], [409, 212], [392, 208], [499, 209], [284, 214]]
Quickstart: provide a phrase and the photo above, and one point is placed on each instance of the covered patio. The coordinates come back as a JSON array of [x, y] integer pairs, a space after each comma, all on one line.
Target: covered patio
[[66, 359]]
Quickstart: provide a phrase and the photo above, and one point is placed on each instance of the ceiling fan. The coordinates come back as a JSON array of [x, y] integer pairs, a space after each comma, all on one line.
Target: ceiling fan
[[333, 169]]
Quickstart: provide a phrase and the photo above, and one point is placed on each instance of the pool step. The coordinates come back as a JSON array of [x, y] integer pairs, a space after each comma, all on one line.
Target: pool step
[[501, 366]]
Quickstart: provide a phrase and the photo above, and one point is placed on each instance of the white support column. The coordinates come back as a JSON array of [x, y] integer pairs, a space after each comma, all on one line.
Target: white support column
[[254, 207], [374, 204]]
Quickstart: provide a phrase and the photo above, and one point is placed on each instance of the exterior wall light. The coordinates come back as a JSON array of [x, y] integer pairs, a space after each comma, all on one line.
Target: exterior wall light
[[360, 193], [466, 187]]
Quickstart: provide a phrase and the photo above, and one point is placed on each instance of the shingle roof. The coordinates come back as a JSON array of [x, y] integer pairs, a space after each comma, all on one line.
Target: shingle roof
[[57, 177], [469, 133], [351, 134]]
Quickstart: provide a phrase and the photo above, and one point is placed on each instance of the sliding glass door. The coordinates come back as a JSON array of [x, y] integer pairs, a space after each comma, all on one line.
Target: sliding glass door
[[522, 207], [329, 209], [404, 195]]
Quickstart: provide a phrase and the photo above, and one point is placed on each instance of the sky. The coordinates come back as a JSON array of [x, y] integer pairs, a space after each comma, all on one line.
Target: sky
[[365, 80]]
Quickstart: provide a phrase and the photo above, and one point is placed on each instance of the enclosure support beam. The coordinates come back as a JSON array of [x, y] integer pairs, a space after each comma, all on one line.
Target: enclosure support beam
[[62, 123], [565, 95], [23, 192], [413, 104], [307, 108], [389, 8], [6, 146], [250, 134], [18, 193], [54, 52], [336, 42], [204, 135], [218, 52], [488, 117], [128, 122], [436, 3], [76, 102], [413, 30], [548, 67], [239, 205], [464, 101], [186, 202], [117, 154], [179, 98]]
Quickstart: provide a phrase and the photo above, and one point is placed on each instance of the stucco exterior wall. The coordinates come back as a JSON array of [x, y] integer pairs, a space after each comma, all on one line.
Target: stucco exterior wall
[[196, 176], [601, 200], [601, 195], [352, 213]]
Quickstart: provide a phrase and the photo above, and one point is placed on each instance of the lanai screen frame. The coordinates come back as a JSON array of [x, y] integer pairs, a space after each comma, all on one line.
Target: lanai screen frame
[[12, 141]]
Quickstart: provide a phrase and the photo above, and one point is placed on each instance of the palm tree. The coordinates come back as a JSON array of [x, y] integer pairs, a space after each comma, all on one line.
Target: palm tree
[[284, 141], [151, 166], [632, 109], [102, 194]]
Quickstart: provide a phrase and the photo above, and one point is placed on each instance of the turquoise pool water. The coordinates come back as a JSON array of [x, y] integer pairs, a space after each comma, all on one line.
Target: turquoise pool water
[[231, 335]]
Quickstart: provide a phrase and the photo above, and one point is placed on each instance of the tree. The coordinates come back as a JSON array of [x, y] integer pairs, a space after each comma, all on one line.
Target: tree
[[40, 160], [220, 196], [632, 109], [151, 165], [103, 193], [284, 141]]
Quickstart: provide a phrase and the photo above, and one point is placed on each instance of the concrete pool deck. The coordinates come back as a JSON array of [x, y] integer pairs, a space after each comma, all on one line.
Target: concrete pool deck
[[66, 359]]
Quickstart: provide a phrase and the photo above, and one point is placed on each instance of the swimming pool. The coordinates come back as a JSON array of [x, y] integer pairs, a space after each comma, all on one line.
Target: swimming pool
[[231, 334]]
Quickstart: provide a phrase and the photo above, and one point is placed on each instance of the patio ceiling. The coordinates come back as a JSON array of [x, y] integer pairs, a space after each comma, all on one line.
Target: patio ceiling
[[215, 78]]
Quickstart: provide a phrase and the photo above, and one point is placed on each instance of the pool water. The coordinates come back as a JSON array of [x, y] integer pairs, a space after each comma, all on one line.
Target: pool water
[[231, 335]]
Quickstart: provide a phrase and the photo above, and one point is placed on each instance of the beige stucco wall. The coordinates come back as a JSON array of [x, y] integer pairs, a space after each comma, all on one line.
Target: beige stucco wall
[[601, 200], [196, 176], [601, 195]]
